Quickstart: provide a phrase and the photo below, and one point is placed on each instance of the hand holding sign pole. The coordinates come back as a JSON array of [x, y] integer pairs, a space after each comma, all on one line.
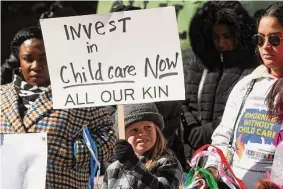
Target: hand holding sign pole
[[121, 121]]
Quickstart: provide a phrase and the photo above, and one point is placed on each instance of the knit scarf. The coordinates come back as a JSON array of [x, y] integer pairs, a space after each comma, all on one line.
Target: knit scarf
[[28, 93]]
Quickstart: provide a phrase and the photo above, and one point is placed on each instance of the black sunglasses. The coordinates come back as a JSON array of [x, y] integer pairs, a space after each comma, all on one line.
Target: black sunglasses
[[274, 40]]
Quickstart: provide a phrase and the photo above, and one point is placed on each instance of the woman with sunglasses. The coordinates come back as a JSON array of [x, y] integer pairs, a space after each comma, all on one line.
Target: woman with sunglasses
[[247, 131], [269, 40]]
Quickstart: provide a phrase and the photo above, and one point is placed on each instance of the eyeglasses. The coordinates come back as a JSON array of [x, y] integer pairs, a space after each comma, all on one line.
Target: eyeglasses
[[274, 40]]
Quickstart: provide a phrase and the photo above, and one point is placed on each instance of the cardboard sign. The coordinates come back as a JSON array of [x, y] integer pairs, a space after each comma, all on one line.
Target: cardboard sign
[[119, 58], [23, 160]]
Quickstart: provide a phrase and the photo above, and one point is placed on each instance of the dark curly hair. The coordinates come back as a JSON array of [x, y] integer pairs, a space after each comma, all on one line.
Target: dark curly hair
[[13, 61], [230, 13]]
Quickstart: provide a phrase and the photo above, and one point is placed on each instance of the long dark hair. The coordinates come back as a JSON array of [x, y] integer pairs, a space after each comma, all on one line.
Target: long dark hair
[[13, 61], [274, 100]]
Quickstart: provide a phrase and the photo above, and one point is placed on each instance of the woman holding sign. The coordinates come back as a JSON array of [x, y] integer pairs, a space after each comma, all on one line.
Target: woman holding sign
[[143, 161], [247, 132], [26, 107]]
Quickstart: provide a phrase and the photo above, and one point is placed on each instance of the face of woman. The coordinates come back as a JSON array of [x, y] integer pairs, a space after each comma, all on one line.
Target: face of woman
[[33, 62], [142, 136], [222, 38], [271, 54]]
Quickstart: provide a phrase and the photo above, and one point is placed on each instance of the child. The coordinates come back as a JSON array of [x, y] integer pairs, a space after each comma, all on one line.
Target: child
[[143, 161]]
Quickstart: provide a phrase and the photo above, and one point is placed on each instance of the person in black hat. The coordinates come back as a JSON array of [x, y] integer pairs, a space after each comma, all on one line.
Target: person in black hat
[[143, 160]]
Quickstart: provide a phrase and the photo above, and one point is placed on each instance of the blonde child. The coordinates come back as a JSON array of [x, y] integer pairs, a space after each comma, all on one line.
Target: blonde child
[[142, 160]]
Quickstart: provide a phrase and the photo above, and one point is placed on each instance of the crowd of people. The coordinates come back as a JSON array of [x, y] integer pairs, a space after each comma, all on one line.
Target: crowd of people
[[234, 101]]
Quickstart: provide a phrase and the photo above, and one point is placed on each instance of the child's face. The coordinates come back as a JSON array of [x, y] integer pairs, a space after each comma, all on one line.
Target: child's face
[[142, 136]]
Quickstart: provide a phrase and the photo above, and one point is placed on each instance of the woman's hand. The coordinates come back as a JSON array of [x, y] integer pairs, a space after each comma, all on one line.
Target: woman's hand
[[213, 171], [203, 185]]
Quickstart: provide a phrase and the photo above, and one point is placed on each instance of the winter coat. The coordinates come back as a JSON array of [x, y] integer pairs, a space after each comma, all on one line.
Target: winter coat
[[247, 126], [211, 75], [166, 173], [65, 168]]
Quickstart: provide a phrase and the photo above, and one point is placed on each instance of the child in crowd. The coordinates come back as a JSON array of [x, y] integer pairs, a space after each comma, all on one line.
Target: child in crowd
[[143, 160]]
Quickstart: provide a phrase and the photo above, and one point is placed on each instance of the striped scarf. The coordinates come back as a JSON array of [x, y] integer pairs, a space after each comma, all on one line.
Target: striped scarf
[[27, 92]]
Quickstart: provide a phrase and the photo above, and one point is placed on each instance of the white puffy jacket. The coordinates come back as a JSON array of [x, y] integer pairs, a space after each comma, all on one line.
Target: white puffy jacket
[[254, 130]]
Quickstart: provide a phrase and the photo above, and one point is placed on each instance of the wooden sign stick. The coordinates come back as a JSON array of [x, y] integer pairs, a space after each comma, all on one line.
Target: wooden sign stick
[[121, 121]]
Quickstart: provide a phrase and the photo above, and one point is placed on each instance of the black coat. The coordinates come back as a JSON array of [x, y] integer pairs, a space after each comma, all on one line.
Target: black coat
[[224, 70]]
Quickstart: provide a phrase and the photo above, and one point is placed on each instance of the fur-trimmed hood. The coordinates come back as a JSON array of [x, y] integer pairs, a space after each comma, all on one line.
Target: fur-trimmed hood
[[229, 12]]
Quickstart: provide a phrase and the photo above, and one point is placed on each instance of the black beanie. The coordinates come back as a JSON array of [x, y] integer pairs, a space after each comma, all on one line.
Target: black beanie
[[141, 112]]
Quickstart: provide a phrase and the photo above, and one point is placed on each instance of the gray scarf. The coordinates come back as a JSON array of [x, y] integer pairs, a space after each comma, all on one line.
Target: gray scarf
[[27, 92]]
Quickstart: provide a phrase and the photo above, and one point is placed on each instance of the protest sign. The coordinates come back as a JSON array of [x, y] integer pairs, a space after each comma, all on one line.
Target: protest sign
[[119, 58], [184, 13], [23, 160]]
